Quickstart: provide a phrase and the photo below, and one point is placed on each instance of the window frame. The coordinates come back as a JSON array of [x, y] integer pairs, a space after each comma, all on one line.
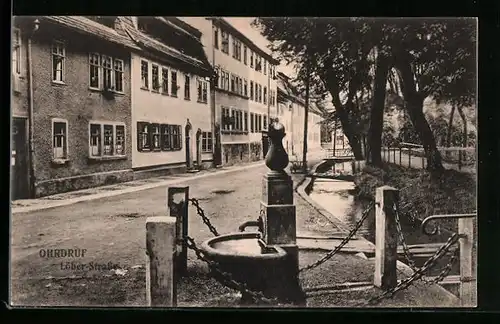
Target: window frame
[[187, 86], [63, 65], [145, 86], [173, 93], [66, 140], [206, 138], [158, 84], [101, 155], [18, 48], [164, 89]]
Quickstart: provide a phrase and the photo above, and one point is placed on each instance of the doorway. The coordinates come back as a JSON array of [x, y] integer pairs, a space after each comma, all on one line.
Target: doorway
[[19, 160], [189, 153]]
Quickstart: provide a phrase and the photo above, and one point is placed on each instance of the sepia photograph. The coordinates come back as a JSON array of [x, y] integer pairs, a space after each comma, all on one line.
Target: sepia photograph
[[243, 162]]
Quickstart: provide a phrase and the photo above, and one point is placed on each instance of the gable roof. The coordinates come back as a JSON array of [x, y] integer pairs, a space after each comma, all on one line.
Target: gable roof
[[87, 26], [144, 41]]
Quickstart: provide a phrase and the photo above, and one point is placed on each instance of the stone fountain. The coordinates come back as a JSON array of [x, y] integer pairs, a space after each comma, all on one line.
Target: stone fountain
[[266, 260]]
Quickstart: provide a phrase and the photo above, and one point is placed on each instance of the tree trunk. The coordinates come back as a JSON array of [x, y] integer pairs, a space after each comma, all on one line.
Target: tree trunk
[[450, 127], [373, 155], [414, 104], [350, 132], [464, 120]]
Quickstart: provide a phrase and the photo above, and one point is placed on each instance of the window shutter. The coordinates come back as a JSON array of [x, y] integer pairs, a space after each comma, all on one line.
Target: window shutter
[[139, 141]]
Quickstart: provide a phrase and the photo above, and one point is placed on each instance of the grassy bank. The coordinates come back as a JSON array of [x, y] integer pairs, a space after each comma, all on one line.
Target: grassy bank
[[422, 195]]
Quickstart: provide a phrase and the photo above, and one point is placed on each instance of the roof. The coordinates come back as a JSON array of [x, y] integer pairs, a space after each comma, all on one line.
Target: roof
[[182, 26], [289, 92], [145, 41], [225, 24], [90, 27]]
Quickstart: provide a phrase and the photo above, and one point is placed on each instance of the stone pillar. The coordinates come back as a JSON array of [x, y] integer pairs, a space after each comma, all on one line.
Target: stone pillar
[[278, 216]]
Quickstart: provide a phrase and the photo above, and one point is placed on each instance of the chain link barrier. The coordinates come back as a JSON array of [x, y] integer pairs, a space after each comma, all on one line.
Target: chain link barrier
[[330, 254], [403, 284], [409, 258], [205, 219], [418, 273]]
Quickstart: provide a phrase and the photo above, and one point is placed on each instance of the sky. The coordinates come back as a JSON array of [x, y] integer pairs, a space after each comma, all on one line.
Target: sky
[[243, 24]]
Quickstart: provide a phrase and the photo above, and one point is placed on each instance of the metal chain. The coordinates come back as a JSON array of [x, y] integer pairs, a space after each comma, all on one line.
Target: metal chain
[[227, 277], [416, 275], [205, 219], [409, 259], [330, 254]]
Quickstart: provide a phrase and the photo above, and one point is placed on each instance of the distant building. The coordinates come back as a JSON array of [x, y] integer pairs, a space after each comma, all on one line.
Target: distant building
[[291, 111], [245, 89], [79, 118]]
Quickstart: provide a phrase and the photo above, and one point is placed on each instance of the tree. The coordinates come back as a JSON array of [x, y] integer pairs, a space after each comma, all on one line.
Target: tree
[[339, 49], [434, 59]]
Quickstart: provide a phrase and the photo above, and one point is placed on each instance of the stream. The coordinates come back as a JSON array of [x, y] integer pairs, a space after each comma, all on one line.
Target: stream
[[339, 198]]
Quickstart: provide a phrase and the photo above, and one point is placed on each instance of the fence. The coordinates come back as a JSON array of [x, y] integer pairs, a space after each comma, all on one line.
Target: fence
[[413, 156], [167, 241]]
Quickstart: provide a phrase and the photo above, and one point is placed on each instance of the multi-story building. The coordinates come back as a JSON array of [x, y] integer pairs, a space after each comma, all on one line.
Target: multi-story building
[[75, 73], [245, 89], [96, 100], [291, 111], [170, 97]]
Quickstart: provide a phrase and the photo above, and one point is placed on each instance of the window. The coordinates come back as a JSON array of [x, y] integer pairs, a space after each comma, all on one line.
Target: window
[[187, 88], [225, 42], [206, 142], [16, 51], [202, 91], [216, 38], [164, 80], [233, 119], [58, 61], [106, 139], [251, 59], [107, 69], [260, 93], [105, 72], [118, 71], [265, 67], [174, 87], [265, 95], [252, 129], [145, 74], [251, 90], [245, 122], [166, 142], [94, 63], [245, 91], [143, 139], [227, 81], [155, 137], [155, 74], [233, 80], [265, 122], [226, 120], [245, 55], [60, 139], [236, 49], [240, 86], [120, 140], [176, 137]]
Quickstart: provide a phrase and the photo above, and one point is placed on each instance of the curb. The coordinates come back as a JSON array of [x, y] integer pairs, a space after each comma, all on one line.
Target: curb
[[300, 189], [113, 193]]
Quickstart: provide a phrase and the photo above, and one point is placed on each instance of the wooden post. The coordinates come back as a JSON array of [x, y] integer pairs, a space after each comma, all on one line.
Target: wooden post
[[423, 161], [459, 160], [160, 248], [409, 157], [178, 207], [400, 161], [467, 285], [386, 237]]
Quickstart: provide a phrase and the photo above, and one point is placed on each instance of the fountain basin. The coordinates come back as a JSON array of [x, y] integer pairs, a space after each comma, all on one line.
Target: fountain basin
[[248, 260]]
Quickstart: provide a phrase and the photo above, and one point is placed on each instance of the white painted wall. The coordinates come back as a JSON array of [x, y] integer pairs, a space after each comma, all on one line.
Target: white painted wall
[[154, 107]]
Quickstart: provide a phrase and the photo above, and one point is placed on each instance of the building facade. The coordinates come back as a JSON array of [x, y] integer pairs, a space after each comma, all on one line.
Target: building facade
[[245, 93], [78, 118], [171, 115], [291, 111]]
